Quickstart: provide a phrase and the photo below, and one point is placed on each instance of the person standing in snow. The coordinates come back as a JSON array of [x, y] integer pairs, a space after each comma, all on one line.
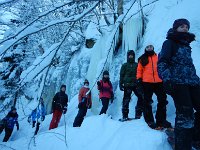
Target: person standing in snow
[[39, 114], [85, 103], [128, 83], [176, 68], [147, 76], [59, 106], [105, 91], [8, 123]]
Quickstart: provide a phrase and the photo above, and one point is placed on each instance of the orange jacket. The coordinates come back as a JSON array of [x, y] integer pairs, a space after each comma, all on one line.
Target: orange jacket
[[149, 72], [82, 93]]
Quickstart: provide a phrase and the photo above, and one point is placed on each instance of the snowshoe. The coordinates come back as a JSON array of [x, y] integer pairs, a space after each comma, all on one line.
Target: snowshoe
[[152, 125], [126, 119], [164, 124], [159, 128]]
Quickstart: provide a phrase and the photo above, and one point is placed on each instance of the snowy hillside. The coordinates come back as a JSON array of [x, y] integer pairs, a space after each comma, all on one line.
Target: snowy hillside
[[103, 132]]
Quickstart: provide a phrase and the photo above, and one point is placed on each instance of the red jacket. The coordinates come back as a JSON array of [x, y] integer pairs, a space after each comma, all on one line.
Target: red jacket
[[105, 89], [149, 72], [82, 93]]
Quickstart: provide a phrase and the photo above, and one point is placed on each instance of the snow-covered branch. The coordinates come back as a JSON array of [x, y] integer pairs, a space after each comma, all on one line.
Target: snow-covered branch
[[7, 2], [40, 16], [8, 43], [141, 9]]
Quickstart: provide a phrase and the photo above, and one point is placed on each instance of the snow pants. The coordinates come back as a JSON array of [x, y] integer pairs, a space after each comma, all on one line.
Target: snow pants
[[55, 119], [149, 89], [105, 103], [126, 100], [187, 124], [80, 116], [8, 132]]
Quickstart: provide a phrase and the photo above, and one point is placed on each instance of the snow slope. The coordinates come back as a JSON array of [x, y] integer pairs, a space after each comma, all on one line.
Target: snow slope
[[97, 132]]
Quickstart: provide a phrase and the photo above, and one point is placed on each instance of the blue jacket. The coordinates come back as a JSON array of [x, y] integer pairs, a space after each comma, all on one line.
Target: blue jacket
[[175, 63], [37, 113], [10, 120]]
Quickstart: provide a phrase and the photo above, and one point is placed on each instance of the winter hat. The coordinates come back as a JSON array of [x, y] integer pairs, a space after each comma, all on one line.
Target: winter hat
[[177, 23], [86, 81], [131, 52], [63, 86], [148, 46], [13, 108], [105, 73], [149, 53]]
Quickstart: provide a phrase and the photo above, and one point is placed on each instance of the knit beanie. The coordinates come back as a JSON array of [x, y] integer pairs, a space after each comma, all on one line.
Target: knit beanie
[[177, 23], [86, 81], [63, 86], [105, 73]]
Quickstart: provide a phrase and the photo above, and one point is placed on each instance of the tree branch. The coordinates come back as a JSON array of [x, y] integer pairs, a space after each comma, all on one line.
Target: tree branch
[[71, 19], [40, 16]]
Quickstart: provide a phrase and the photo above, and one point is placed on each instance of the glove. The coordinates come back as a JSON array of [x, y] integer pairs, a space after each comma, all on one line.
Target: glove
[[139, 81], [90, 106], [29, 119], [17, 124], [121, 86], [99, 83], [64, 110], [139, 87], [112, 98], [42, 118], [80, 105], [169, 87]]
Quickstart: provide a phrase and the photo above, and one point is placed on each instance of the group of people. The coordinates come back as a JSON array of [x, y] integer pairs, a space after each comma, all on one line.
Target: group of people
[[171, 72], [7, 123]]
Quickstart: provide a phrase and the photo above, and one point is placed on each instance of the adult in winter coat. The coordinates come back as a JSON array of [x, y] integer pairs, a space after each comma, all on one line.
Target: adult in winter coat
[[59, 106], [147, 75], [105, 91], [128, 83], [85, 103], [176, 68], [37, 115], [8, 123]]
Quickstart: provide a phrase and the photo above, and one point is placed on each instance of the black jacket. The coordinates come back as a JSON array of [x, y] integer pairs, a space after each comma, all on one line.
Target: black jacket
[[60, 101]]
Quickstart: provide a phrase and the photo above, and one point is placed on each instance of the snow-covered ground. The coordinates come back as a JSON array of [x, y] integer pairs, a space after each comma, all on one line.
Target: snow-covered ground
[[102, 132], [97, 132]]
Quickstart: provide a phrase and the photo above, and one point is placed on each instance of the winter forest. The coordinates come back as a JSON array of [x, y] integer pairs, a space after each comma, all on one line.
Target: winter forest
[[48, 43]]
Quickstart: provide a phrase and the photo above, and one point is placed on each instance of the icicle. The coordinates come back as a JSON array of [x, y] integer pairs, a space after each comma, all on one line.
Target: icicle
[[131, 33]]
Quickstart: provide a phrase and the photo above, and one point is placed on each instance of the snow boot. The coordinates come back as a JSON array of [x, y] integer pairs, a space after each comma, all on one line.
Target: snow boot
[[152, 125], [164, 124], [37, 128], [138, 113]]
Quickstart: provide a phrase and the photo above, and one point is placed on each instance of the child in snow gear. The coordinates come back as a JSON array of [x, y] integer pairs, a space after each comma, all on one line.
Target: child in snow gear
[[128, 83], [106, 91], [8, 123], [147, 75], [59, 106], [176, 68], [39, 114], [85, 103]]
